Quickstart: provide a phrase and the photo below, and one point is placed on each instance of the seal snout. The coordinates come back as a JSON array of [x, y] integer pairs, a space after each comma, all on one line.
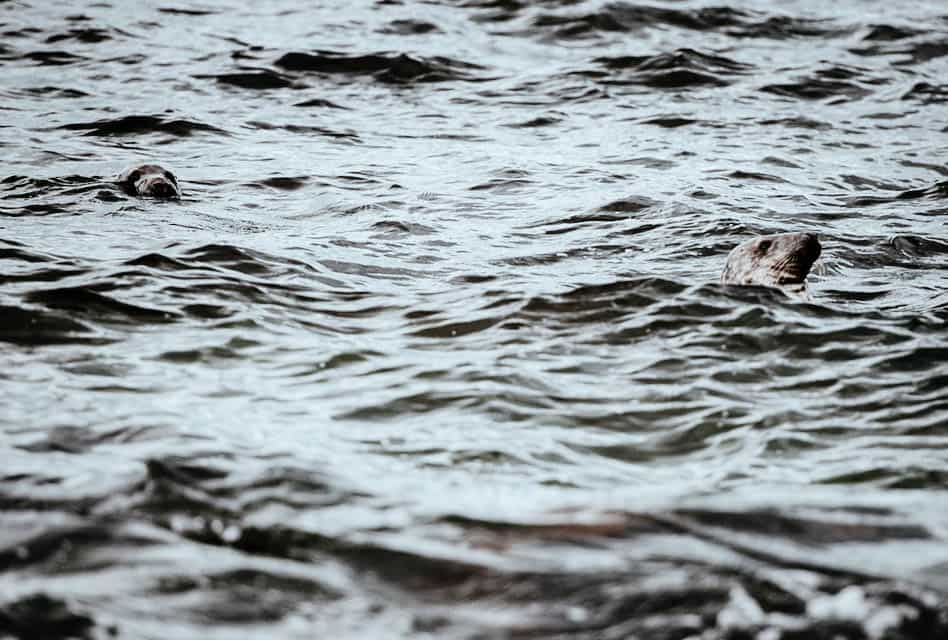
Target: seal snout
[[157, 187], [811, 246], [794, 255], [806, 254]]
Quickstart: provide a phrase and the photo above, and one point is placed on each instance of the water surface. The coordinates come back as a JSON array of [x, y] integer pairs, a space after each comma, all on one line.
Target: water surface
[[433, 344]]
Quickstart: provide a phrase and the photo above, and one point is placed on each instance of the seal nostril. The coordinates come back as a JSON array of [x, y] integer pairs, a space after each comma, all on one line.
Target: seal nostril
[[150, 180], [162, 189], [813, 245]]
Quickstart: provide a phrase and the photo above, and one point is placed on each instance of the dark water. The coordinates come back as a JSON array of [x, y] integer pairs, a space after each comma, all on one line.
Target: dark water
[[433, 347]]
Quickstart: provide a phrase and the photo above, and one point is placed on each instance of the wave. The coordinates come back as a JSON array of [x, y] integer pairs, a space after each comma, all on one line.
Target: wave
[[384, 67], [675, 70], [132, 125], [736, 23]]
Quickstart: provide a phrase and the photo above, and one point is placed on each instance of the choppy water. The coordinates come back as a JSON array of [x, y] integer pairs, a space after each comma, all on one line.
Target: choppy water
[[432, 346]]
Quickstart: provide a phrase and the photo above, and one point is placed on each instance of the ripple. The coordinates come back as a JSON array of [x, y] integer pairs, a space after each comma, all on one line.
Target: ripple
[[141, 124], [35, 327], [736, 23], [927, 93], [435, 346], [259, 80], [45, 616], [833, 82], [52, 58], [89, 36], [387, 68], [88, 302], [682, 68]]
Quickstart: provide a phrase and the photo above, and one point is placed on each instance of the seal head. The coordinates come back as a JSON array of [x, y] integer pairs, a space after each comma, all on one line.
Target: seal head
[[782, 261], [150, 181]]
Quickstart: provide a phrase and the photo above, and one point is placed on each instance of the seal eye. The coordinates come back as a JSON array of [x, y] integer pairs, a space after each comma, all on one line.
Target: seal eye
[[764, 246], [134, 176], [171, 177]]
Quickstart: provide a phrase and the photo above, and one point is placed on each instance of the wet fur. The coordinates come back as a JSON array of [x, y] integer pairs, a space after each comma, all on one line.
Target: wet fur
[[781, 261]]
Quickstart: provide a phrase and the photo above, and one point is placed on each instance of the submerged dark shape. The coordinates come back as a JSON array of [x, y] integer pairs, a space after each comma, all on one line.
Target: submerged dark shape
[[782, 260], [150, 181]]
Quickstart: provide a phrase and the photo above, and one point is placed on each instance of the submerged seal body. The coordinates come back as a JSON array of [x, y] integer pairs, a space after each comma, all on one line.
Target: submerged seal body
[[781, 261], [150, 181]]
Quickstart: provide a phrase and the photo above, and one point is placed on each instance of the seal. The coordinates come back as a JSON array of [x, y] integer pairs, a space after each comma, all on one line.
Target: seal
[[781, 261], [149, 181]]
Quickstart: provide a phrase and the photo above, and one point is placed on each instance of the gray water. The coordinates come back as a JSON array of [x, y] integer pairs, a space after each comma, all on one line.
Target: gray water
[[433, 345]]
